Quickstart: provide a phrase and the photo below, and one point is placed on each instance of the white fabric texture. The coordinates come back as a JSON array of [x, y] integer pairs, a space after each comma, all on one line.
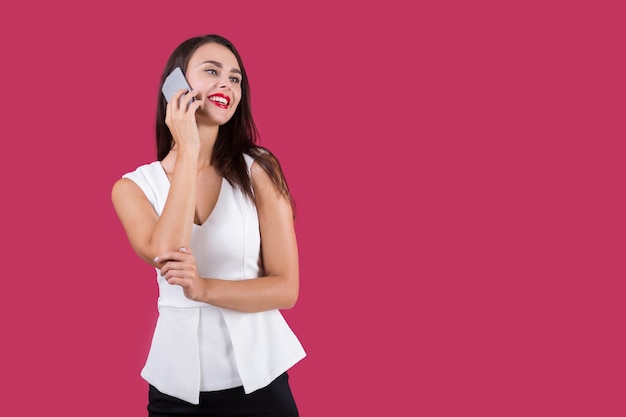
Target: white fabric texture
[[199, 347]]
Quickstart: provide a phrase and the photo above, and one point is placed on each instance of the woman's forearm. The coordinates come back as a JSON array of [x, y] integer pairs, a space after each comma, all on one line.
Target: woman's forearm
[[252, 295], [173, 229]]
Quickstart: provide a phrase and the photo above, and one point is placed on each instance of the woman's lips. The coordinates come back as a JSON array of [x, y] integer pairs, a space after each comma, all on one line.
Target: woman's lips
[[220, 100]]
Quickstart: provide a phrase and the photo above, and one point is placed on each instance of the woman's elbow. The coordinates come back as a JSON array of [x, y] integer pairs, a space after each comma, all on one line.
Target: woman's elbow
[[290, 298]]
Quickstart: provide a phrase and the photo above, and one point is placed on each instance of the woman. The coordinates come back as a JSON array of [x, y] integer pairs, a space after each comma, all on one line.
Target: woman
[[214, 216]]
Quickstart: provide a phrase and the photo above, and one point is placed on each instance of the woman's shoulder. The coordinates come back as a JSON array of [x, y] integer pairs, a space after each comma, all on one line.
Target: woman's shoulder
[[260, 152], [264, 165], [150, 178], [146, 176], [145, 170], [261, 159]]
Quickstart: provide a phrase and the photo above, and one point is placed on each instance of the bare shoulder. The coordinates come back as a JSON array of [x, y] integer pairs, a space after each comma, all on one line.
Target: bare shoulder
[[122, 187], [257, 172], [125, 191], [262, 182]]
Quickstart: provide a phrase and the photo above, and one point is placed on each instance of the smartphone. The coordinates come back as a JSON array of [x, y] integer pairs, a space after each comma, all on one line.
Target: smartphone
[[174, 82]]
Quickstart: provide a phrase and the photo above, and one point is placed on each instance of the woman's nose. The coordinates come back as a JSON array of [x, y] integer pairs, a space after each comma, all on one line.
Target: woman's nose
[[224, 82]]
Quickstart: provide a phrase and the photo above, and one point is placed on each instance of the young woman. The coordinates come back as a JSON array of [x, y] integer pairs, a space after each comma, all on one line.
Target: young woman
[[214, 215]]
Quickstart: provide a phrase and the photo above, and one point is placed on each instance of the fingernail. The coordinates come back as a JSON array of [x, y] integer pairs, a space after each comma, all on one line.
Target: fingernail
[[156, 259], [183, 249]]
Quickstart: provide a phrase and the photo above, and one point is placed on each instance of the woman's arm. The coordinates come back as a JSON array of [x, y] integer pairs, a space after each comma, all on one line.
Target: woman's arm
[[277, 289], [149, 234]]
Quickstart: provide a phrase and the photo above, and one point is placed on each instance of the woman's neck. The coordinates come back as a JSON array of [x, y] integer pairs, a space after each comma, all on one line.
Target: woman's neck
[[208, 137]]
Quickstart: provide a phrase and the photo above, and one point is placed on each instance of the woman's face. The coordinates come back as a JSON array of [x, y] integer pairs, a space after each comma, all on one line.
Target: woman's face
[[214, 73]]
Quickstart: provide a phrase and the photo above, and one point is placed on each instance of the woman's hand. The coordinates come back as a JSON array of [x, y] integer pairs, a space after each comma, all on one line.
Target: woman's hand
[[180, 118], [179, 268]]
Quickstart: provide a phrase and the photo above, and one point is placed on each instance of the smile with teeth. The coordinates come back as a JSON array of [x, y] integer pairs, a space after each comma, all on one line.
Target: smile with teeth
[[220, 100]]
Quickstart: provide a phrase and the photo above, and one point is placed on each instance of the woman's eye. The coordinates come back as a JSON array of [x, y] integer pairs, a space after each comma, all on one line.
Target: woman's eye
[[211, 71], [234, 80]]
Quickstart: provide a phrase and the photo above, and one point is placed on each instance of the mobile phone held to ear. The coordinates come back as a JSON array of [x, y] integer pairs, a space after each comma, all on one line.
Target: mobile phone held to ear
[[174, 82]]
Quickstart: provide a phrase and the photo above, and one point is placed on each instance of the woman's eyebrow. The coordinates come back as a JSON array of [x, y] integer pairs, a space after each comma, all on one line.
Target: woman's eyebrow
[[219, 65]]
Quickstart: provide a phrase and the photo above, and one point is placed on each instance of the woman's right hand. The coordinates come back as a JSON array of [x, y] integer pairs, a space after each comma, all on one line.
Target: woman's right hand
[[180, 118]]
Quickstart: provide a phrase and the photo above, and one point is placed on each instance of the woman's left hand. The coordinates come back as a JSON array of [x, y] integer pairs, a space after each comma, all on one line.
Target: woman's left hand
[[179, 268]]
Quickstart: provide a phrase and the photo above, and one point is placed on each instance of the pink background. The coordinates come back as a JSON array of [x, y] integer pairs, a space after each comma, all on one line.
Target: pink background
[[459, 174]]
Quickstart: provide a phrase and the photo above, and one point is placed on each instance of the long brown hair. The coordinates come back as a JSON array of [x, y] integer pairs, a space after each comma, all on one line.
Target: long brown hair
[[234, 138]]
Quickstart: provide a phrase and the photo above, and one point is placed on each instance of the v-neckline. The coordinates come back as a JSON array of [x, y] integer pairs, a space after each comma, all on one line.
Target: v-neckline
[[217, 202]]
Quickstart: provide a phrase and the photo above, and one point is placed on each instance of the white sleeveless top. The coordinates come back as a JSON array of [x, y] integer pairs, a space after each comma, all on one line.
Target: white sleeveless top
[[199, 347]]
